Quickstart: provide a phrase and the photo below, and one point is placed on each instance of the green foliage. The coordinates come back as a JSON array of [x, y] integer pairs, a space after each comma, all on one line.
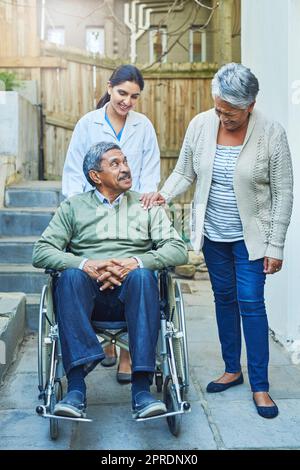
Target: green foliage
[[9, 81]]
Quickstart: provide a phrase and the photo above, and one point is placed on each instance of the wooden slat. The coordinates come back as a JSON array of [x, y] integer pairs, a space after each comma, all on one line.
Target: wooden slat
[[180, 75], [60, 120], [77, 55], [33, 62]]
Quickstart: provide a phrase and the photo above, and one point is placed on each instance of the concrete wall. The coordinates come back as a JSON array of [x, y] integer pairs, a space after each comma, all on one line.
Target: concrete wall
[[76, 15], [270, 46], [214, 39], [180, 52], [19, 133]]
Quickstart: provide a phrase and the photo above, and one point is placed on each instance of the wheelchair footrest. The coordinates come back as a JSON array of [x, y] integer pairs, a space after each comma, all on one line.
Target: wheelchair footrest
[[166, 415], [67, 418]]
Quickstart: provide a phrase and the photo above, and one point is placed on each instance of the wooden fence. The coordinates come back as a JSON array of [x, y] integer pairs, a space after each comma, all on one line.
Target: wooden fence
[[68, 93], [19, 41], [71, 81], [170, 100]]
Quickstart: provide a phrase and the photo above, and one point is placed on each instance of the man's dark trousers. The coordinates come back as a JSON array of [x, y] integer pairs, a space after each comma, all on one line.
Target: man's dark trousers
[[78, 300]]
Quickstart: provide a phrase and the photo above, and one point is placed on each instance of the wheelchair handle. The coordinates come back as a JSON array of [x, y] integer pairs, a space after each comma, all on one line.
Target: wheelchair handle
[[52, 272]]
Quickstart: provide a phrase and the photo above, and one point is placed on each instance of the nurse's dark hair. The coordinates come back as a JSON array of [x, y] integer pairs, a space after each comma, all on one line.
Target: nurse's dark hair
[[124, 73]]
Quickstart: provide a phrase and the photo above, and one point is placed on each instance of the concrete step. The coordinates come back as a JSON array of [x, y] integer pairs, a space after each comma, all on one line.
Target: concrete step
[[16, 249], [24, 221], [12, 327], [52, 185], [21, 278], [32, 311], [34, 194]]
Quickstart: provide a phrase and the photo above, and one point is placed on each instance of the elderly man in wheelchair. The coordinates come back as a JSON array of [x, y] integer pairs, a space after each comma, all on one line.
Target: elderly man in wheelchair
[[101, 242]]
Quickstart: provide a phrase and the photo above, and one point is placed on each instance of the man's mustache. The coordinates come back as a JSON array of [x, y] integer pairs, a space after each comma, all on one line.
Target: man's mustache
[[124, 176]]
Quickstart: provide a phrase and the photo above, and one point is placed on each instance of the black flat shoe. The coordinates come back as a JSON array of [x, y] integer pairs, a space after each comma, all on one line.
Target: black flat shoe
[[268, 412], [214, 387], [123, 377], [109, 361]]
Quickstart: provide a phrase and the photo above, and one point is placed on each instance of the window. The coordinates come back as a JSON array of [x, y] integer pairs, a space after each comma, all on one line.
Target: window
[[95, 40], [56, 35], [158, 44], [197, 46]]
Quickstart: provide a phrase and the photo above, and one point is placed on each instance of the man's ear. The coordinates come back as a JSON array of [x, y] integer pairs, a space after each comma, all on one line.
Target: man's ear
[[95, 176]]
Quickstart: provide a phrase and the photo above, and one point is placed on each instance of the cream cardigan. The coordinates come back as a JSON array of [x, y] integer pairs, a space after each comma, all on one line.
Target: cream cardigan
[[263, 181]]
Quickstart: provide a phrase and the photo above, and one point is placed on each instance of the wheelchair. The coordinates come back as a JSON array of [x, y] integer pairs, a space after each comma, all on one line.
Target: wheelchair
[[172, 366]]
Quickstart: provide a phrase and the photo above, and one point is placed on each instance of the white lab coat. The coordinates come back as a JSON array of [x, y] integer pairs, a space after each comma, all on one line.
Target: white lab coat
[[138, 143]]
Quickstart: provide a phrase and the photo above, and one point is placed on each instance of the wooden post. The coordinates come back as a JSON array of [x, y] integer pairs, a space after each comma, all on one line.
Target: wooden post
[[225, 12]]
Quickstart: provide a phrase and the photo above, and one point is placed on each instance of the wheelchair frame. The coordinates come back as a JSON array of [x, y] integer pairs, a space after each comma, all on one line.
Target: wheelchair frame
[[172, 369]]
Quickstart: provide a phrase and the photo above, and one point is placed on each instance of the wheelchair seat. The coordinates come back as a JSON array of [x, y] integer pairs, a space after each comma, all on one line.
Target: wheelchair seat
[[106, 325], [112, 333]]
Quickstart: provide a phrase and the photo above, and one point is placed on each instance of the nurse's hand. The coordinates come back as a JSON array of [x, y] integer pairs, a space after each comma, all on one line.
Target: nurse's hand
[[149, 200]]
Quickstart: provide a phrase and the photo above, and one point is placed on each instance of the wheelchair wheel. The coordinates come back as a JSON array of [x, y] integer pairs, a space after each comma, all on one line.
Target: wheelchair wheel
[[177, 316], [55, 397], [46, 320], [170, 399]]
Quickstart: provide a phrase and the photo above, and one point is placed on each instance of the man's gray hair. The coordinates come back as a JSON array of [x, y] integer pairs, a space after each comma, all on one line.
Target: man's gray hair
[[235, 84], [92, 160]]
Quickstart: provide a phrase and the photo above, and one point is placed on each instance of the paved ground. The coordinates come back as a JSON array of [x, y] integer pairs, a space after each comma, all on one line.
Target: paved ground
[[222, 421]]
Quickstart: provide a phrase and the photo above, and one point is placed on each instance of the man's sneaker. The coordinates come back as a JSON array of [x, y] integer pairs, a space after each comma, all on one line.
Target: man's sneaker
[[145, 405], [72, 406]]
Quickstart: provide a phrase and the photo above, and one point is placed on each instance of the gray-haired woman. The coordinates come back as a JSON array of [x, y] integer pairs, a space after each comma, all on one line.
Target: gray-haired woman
[[240, 215]]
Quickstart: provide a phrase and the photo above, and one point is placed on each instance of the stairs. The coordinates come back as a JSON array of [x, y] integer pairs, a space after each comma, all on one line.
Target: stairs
[[29, 207]]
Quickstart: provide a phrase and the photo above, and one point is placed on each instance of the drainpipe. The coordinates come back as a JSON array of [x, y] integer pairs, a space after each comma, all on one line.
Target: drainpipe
[[129, 23], [143, 27], [43, 20], [41, 164], [137, 28]]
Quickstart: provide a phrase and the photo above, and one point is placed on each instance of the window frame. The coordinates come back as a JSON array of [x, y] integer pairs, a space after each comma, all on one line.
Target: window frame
[[89, 29], [152, 30], [203, 53], [55, 29]]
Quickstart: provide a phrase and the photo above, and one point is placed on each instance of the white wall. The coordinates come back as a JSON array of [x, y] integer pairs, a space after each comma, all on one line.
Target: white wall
[[271, 48], [19, 128]]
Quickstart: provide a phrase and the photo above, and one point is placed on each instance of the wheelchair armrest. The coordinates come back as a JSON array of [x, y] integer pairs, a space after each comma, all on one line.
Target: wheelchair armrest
[[55, 272], [52, 272]]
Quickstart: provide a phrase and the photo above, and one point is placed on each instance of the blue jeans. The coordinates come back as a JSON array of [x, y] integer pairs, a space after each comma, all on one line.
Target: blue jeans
[[78, 300], [238, 286]]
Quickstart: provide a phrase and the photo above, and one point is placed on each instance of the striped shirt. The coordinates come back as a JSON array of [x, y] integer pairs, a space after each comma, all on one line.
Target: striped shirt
[[222, 219]]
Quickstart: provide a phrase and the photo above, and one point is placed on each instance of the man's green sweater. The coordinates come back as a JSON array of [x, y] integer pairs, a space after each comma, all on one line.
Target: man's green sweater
[[90, 229]]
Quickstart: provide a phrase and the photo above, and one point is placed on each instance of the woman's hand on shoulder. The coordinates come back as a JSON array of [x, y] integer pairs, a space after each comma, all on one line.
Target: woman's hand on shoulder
[[149, 200]]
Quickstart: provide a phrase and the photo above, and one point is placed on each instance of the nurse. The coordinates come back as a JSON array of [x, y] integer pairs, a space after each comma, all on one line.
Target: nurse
[[114, 120]]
